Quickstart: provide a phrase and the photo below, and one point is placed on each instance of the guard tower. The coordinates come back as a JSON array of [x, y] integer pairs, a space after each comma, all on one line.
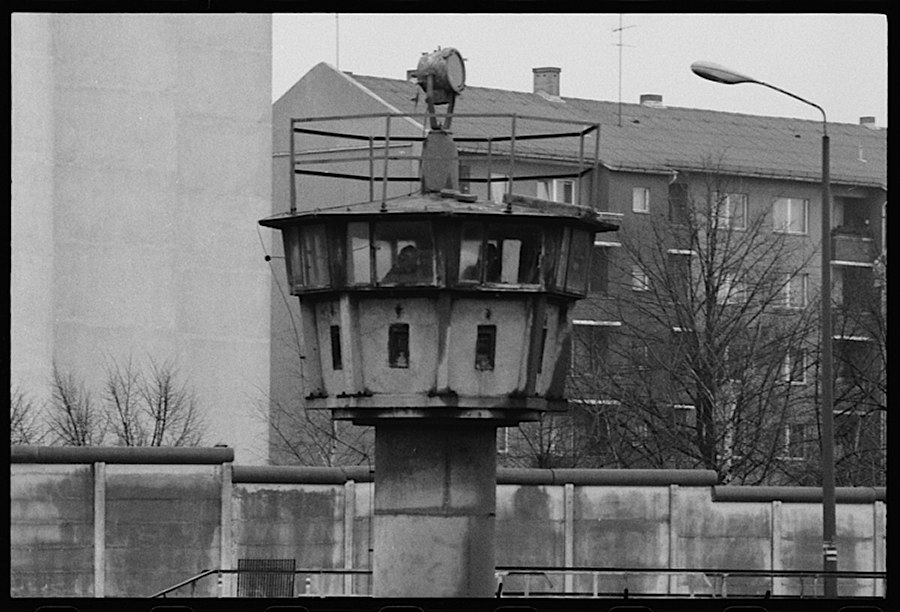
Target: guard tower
[[437, 316]]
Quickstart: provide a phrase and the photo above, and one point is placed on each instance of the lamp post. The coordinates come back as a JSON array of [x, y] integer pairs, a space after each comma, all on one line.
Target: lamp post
[[720, 74]]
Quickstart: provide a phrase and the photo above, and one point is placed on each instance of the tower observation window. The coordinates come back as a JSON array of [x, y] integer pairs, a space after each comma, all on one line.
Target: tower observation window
[[359, 254], [579, 258], [503, 254], [404, 253], [315, 256]]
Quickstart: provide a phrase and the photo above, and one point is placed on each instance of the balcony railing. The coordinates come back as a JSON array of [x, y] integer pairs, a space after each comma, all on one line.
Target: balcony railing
[[852, 244]]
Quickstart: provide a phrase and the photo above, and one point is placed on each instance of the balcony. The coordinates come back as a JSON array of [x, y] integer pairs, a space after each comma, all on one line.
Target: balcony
[[852, 244]]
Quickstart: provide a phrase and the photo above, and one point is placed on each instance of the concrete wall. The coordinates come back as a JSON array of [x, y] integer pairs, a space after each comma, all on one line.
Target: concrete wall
[[167, 518], [141, 164], [130, 522], [51, 530], [115, 522]]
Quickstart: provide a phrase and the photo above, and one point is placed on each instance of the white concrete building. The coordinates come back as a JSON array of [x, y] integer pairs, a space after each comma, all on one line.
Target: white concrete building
[[141, 152]]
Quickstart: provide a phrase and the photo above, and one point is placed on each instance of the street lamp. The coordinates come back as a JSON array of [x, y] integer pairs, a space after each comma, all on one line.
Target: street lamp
[[720, 74]]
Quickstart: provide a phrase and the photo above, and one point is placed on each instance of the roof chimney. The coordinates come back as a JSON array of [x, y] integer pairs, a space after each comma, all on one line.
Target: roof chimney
[[546, 80], [654, 100], [868, 121]]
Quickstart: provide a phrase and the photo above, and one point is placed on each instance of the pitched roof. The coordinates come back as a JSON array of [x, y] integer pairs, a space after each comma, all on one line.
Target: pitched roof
[[636, 137]]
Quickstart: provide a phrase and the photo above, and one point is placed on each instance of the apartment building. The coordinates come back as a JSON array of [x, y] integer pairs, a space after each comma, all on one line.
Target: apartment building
[[720, 217]]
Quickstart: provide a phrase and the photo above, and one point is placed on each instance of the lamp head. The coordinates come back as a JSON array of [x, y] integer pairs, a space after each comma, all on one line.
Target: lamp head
[[447, 69], [720, 74]]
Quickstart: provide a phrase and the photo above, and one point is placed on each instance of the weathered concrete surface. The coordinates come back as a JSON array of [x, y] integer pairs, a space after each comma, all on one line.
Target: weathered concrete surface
[[283, 521], [619, 527], [162, 526], [51, 533], [434, 510], [162, 523]]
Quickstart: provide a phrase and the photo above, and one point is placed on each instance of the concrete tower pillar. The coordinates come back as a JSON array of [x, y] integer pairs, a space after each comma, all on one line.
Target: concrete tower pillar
[[435, 494]]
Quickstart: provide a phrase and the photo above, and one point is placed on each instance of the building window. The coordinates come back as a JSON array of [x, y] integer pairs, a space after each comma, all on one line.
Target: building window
[[854, 288], [731, 211], [590, 345], [499, 186], [398, 345], [791, 215], [640, 354], [564, 191], [853, 359], [640, 199], [557, 190], [847, 433], [851, 214], [465, 173], [796, 291], [681, 273], [685, 415], [599, 281], [796, 441], [639, 279], [336, 360], [679, 203], [503, 440], [485, 346], [795, 366], [730, 290]]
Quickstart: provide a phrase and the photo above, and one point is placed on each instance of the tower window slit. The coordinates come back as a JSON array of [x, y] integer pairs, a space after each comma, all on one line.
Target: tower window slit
[[336, 358], [398, 345], [485, 347]]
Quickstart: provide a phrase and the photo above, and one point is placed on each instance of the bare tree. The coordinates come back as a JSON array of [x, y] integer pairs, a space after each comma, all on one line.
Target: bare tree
[[709, 366], [139, 409], [122, 396], [549, 442], [167, 413], [311, 437], [24, 419], [73, 419], [860, 366]]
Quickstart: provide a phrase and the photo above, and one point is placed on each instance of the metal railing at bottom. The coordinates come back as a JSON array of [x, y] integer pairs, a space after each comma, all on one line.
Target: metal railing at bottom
[[531, 581], [316, 582], [540, 581]]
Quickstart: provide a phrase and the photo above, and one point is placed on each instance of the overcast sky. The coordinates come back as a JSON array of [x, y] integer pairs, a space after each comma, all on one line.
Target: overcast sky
[[838, 61]]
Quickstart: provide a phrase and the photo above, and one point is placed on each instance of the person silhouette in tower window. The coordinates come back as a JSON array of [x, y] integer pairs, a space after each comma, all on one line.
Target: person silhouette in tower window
[[405, 269], [492, 264]]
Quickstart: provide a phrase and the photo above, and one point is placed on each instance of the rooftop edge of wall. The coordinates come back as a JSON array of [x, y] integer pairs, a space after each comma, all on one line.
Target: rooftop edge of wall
[[510, 476], [120, 454]]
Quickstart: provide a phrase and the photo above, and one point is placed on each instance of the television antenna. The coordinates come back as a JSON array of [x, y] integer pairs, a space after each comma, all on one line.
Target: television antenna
[[337, 41], [620, 44]]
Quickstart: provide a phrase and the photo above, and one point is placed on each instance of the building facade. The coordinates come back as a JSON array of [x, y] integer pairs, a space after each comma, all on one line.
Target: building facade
[[139, 168]]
